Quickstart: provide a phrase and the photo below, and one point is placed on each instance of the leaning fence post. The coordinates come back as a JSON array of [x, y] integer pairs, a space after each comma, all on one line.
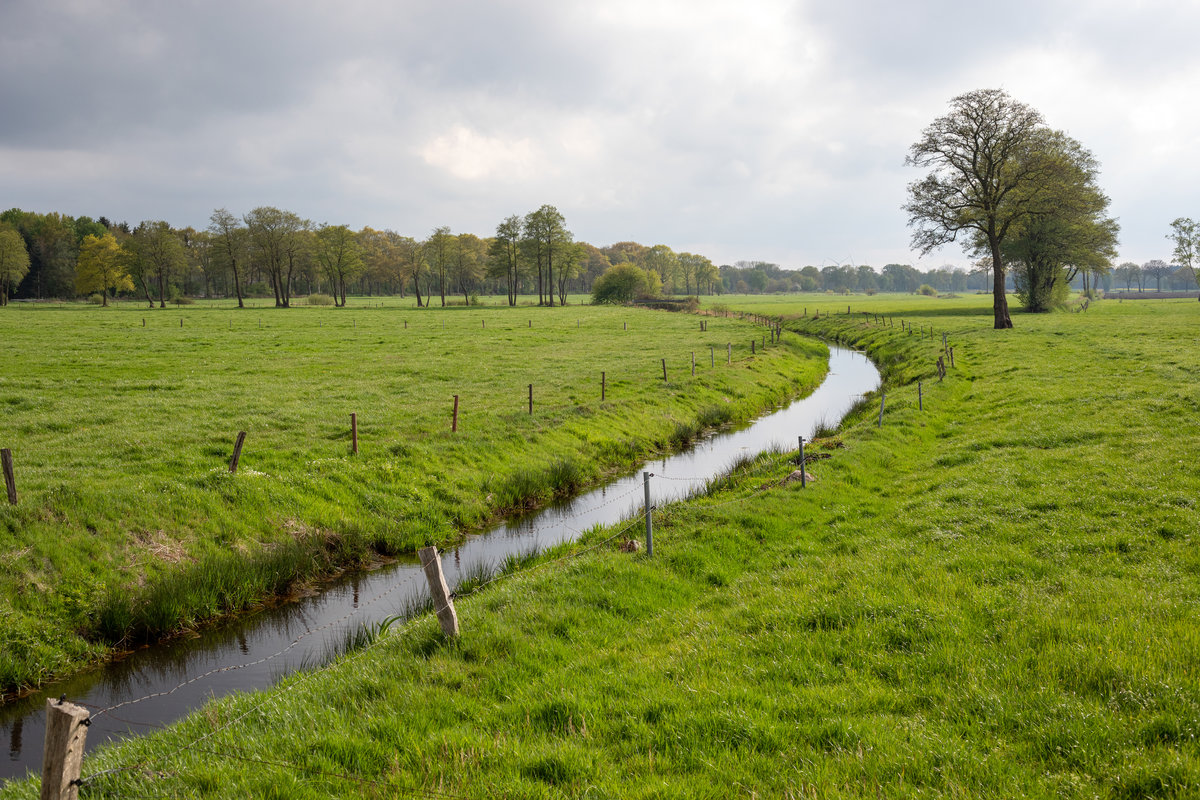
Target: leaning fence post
[[442, 602], [952, 356], [62, 759], [237, 451], [646, 476], [882, 400], [664, 363], [10, 480]]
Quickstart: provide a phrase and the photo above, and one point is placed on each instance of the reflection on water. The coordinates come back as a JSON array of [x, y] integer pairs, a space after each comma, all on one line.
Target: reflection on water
[[320, 621]]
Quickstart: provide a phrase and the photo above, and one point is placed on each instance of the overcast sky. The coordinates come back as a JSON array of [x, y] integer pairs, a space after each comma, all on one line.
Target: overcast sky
[[759, 130]]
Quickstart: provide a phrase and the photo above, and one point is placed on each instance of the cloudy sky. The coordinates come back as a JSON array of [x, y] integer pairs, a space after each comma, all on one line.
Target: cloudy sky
[[758, 129]]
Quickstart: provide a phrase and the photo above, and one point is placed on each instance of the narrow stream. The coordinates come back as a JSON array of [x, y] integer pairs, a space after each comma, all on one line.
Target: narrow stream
[[279, 640]]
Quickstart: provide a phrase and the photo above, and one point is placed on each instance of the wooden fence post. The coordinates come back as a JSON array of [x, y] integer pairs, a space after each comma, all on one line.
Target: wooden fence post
[[354, 433], [693, 363], [602, 387], [952, 356], [920, 398], [237, 451], [803, 476], [649, 522], [454, 419], [712, 356], [664, 363], [443, 604], [752, 343], [62, 758], [531, 398], [10, 480]]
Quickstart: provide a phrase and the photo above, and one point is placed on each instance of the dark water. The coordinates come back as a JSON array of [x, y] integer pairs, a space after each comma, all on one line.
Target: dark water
[[271, 643]]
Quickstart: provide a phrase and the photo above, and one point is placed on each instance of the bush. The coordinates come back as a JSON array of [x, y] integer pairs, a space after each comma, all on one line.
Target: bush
[[182, 300], [96, 299], [318, 299], [927, 290]]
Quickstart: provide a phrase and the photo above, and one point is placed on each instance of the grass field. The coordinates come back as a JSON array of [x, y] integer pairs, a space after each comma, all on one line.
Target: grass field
[[122, 423], [994, 597]]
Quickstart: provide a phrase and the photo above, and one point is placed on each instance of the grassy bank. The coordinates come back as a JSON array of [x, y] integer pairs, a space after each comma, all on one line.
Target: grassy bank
[[122, 422], [994, 597]]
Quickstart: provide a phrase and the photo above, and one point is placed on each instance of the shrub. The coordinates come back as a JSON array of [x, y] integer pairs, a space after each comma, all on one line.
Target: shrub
[[927, 290], [96, 299], [318, 299]]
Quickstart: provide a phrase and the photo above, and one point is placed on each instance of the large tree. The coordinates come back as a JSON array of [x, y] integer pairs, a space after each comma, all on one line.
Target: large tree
[[340, 257], [229, 244], [102, 267], [158, 256], [439, 250], [279, 245], [14, 261], [1063, 231], [504, 255], [468, 259], [1185, 234], [1158, 269], [981, 178], [548, 237]]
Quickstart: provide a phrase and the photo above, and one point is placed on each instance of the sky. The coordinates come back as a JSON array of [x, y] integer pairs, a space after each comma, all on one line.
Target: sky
[[757, 130]]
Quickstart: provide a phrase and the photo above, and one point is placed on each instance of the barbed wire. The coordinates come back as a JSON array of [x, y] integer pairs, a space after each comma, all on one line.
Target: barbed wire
[[270, 698]]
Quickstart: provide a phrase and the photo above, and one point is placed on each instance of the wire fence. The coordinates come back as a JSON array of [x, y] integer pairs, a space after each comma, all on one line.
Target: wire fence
[[268, 700]]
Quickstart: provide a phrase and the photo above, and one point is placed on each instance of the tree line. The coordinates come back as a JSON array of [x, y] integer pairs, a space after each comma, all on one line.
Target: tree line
[[275, 253]]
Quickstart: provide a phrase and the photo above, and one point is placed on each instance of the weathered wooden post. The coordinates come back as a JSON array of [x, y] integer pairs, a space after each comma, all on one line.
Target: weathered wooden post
[[10, 480], [531, 398], [803, 474], [712, 356], [646, 476], [952, 356], [237, 451], [443, 603], [602, 387], [664, 365], [354, 432], [752, 343], [920, 398], [454, 419], [693, 363], [62, 758]]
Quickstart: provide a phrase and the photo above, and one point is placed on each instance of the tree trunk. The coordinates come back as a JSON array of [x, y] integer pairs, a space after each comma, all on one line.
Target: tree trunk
[[999, 298]]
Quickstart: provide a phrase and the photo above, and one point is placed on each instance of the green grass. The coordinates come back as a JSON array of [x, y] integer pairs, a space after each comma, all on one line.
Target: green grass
[[130, 526], [996, 597]]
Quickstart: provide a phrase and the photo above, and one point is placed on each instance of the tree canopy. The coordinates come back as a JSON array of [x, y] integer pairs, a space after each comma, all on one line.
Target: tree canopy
[[14, 262], [981, 177]]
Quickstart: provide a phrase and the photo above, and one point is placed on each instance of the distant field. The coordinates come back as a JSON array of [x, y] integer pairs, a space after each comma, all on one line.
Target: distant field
[[996, 596], [122, 423]]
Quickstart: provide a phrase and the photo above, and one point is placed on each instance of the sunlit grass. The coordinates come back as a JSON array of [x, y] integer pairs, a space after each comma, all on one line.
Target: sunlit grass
[[994, 597], [122, 422]]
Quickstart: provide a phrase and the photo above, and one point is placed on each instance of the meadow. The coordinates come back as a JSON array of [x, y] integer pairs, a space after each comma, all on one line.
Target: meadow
[[122, 423], [993, 596]]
